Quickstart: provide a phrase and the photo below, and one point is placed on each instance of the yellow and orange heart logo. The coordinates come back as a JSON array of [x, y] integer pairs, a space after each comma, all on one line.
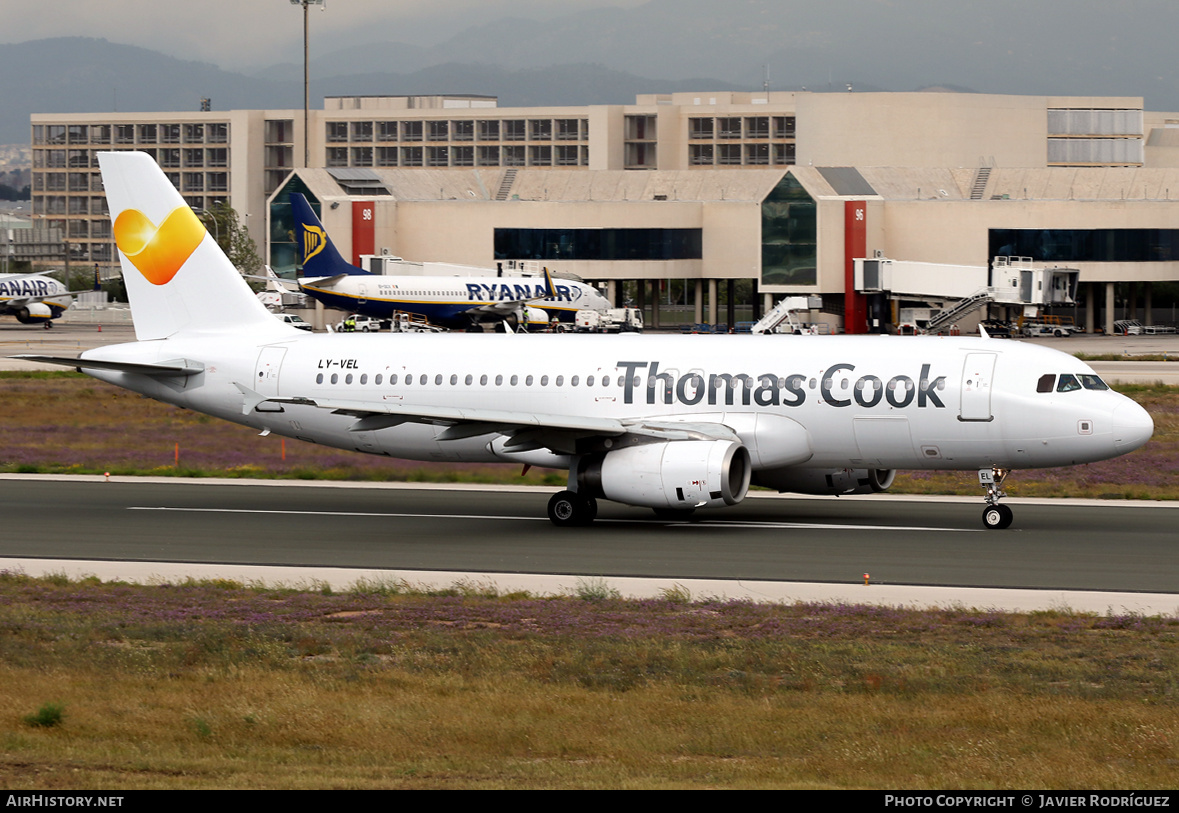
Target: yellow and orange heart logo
[[159, 252]]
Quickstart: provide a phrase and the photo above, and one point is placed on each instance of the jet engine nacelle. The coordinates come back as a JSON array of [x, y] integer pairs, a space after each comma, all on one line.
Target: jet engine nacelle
[[828, 481], [677, 474], [535, 318], [34, 312]]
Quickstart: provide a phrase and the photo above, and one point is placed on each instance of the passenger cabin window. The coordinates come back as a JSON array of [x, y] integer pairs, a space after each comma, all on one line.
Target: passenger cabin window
[[1045, 383]]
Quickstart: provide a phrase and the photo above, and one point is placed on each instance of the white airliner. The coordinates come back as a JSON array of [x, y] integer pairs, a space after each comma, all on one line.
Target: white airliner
[[451, 302], [674, 423], [33, 298]]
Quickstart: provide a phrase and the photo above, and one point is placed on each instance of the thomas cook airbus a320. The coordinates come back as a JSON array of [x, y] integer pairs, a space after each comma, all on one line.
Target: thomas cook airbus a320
[[673, 423]]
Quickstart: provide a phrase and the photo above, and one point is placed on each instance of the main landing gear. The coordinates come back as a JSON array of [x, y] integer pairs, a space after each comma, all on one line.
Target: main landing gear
[[995, 516], [568, 509]]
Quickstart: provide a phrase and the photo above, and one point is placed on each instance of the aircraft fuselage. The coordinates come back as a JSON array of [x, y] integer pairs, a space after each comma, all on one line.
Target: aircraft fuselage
[[794, 401], [451, 301], [33, 297]]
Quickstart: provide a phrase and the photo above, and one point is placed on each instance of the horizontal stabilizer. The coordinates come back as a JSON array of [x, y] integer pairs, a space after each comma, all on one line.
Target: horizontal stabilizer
[[164, 369], [321, 282]]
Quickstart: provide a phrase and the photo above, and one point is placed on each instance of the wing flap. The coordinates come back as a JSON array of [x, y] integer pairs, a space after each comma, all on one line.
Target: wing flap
[[470, 415], [499, 309], [527, 430]]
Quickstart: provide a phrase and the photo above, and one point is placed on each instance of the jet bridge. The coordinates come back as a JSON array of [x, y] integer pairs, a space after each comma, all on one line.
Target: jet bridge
[[963, 289]]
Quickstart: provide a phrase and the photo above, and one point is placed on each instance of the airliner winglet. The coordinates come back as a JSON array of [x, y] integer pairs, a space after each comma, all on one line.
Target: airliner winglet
[[672, 423]]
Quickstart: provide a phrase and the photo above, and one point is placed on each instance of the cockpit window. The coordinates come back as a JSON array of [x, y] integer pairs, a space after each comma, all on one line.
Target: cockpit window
[[1068, 382], [1092, 382], [1045, 383]]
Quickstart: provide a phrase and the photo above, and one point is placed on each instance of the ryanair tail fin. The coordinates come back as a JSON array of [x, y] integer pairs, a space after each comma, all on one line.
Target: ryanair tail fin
[[317, 254], [177, 277]]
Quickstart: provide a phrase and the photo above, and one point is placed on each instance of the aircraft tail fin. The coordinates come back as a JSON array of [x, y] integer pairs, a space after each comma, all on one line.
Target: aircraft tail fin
[[177, 277], [317, 253]]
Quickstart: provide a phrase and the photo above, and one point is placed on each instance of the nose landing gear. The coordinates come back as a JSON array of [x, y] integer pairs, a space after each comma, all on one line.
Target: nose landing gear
[[995, 516]]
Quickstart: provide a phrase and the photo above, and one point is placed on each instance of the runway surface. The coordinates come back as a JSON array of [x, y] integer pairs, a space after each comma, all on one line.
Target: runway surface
[[1080, 554]]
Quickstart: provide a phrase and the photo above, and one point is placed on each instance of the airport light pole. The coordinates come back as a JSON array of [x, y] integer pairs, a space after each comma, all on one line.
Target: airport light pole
[[213, 218], [9, 218], [306, 82]]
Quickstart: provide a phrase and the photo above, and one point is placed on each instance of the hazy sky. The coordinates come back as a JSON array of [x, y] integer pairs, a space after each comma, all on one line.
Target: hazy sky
[[1069, 47], [241, 33]]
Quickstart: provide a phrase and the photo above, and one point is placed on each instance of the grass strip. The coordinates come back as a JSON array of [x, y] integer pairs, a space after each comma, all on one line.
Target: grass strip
[[225, 685]]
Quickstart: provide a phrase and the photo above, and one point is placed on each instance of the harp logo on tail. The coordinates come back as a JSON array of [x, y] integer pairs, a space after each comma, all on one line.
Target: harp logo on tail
[[158, 252], [314, 241]]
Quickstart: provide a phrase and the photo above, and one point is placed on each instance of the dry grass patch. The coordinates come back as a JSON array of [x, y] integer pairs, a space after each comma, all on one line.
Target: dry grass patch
[[225, 686]]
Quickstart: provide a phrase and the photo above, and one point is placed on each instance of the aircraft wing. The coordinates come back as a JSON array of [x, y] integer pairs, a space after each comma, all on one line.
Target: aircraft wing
[[501, 309], [19, 277], [10, 278], [321, 282], [510, 306], [20, 301], [285, 284], [527, 430], [167, 369]]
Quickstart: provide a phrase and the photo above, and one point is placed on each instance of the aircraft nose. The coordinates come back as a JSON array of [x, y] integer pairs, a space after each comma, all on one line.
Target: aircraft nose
[[1132, 426]]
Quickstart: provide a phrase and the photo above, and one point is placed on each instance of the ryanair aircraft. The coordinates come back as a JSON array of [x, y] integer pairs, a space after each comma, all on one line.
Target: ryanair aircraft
[[674, 423], [451, 302], [33, 298]]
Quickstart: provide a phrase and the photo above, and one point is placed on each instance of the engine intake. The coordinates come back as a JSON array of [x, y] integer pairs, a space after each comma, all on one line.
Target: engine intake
[[676, 474], [34, 312]]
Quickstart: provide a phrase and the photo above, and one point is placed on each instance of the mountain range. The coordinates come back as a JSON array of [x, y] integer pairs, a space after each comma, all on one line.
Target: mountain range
[[83, 75], [608, 55]]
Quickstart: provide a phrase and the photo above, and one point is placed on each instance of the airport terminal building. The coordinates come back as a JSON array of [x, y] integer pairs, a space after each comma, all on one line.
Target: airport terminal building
[[767, 193]]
